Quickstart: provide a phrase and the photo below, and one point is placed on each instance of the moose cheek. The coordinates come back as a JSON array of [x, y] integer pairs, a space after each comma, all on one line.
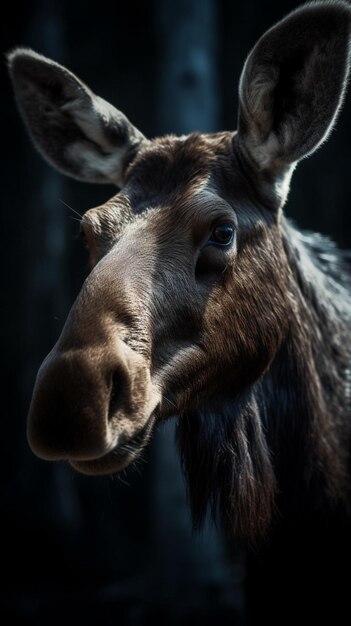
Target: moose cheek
[[211, 264]]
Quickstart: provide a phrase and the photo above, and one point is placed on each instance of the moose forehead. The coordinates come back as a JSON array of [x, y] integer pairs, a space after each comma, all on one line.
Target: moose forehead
[[170, 163], [195, 178]]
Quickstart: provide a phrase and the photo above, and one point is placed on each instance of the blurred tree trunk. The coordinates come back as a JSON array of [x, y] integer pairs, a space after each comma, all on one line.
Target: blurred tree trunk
[[188, 67]]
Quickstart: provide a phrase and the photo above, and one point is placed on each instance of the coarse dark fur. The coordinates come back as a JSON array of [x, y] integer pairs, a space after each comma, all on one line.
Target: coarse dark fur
[[294, 423]]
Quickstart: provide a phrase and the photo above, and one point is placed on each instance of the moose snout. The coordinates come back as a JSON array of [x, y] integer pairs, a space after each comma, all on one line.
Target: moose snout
[[87, 401]]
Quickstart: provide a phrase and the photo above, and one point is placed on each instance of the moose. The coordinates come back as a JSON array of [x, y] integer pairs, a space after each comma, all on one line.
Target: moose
[[204, 302]]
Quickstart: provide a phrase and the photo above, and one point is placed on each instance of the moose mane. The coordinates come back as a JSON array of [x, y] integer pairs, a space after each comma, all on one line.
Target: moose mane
[[287, 433]]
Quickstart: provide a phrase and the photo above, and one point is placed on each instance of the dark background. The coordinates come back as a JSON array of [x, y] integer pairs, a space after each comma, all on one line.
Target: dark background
[[119, 550]]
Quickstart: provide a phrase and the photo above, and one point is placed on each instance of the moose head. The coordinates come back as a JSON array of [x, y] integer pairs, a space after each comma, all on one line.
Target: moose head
[[191, 296]]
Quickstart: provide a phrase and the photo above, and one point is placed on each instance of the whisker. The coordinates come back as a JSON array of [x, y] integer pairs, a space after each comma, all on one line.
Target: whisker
[[69, 207]]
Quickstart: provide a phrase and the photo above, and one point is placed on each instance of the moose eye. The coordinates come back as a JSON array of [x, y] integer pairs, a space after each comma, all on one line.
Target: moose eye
[[222, 235]]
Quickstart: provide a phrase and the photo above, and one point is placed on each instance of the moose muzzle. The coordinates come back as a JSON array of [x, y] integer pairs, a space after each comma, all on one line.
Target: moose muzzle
[[89, 401]]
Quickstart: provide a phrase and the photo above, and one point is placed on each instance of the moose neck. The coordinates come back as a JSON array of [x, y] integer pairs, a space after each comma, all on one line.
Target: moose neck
[[283, 443], [306, 386]]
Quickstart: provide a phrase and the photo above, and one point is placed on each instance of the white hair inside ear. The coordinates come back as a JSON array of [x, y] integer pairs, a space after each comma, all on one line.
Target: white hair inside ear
[[291, 90], [78, 132]]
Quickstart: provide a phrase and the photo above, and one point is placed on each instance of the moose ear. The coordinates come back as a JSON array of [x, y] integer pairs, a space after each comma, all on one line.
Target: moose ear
[[79, 133], [291, 90]]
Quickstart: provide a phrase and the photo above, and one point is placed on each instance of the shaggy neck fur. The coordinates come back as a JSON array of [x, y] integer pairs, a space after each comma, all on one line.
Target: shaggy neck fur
[[281, 448]]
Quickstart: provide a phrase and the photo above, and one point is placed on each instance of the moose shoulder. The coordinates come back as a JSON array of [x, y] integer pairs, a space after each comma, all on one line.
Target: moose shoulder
[[204, 302]]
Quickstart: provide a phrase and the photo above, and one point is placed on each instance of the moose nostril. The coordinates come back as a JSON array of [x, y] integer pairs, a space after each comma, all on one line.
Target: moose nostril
[[116, 393]]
